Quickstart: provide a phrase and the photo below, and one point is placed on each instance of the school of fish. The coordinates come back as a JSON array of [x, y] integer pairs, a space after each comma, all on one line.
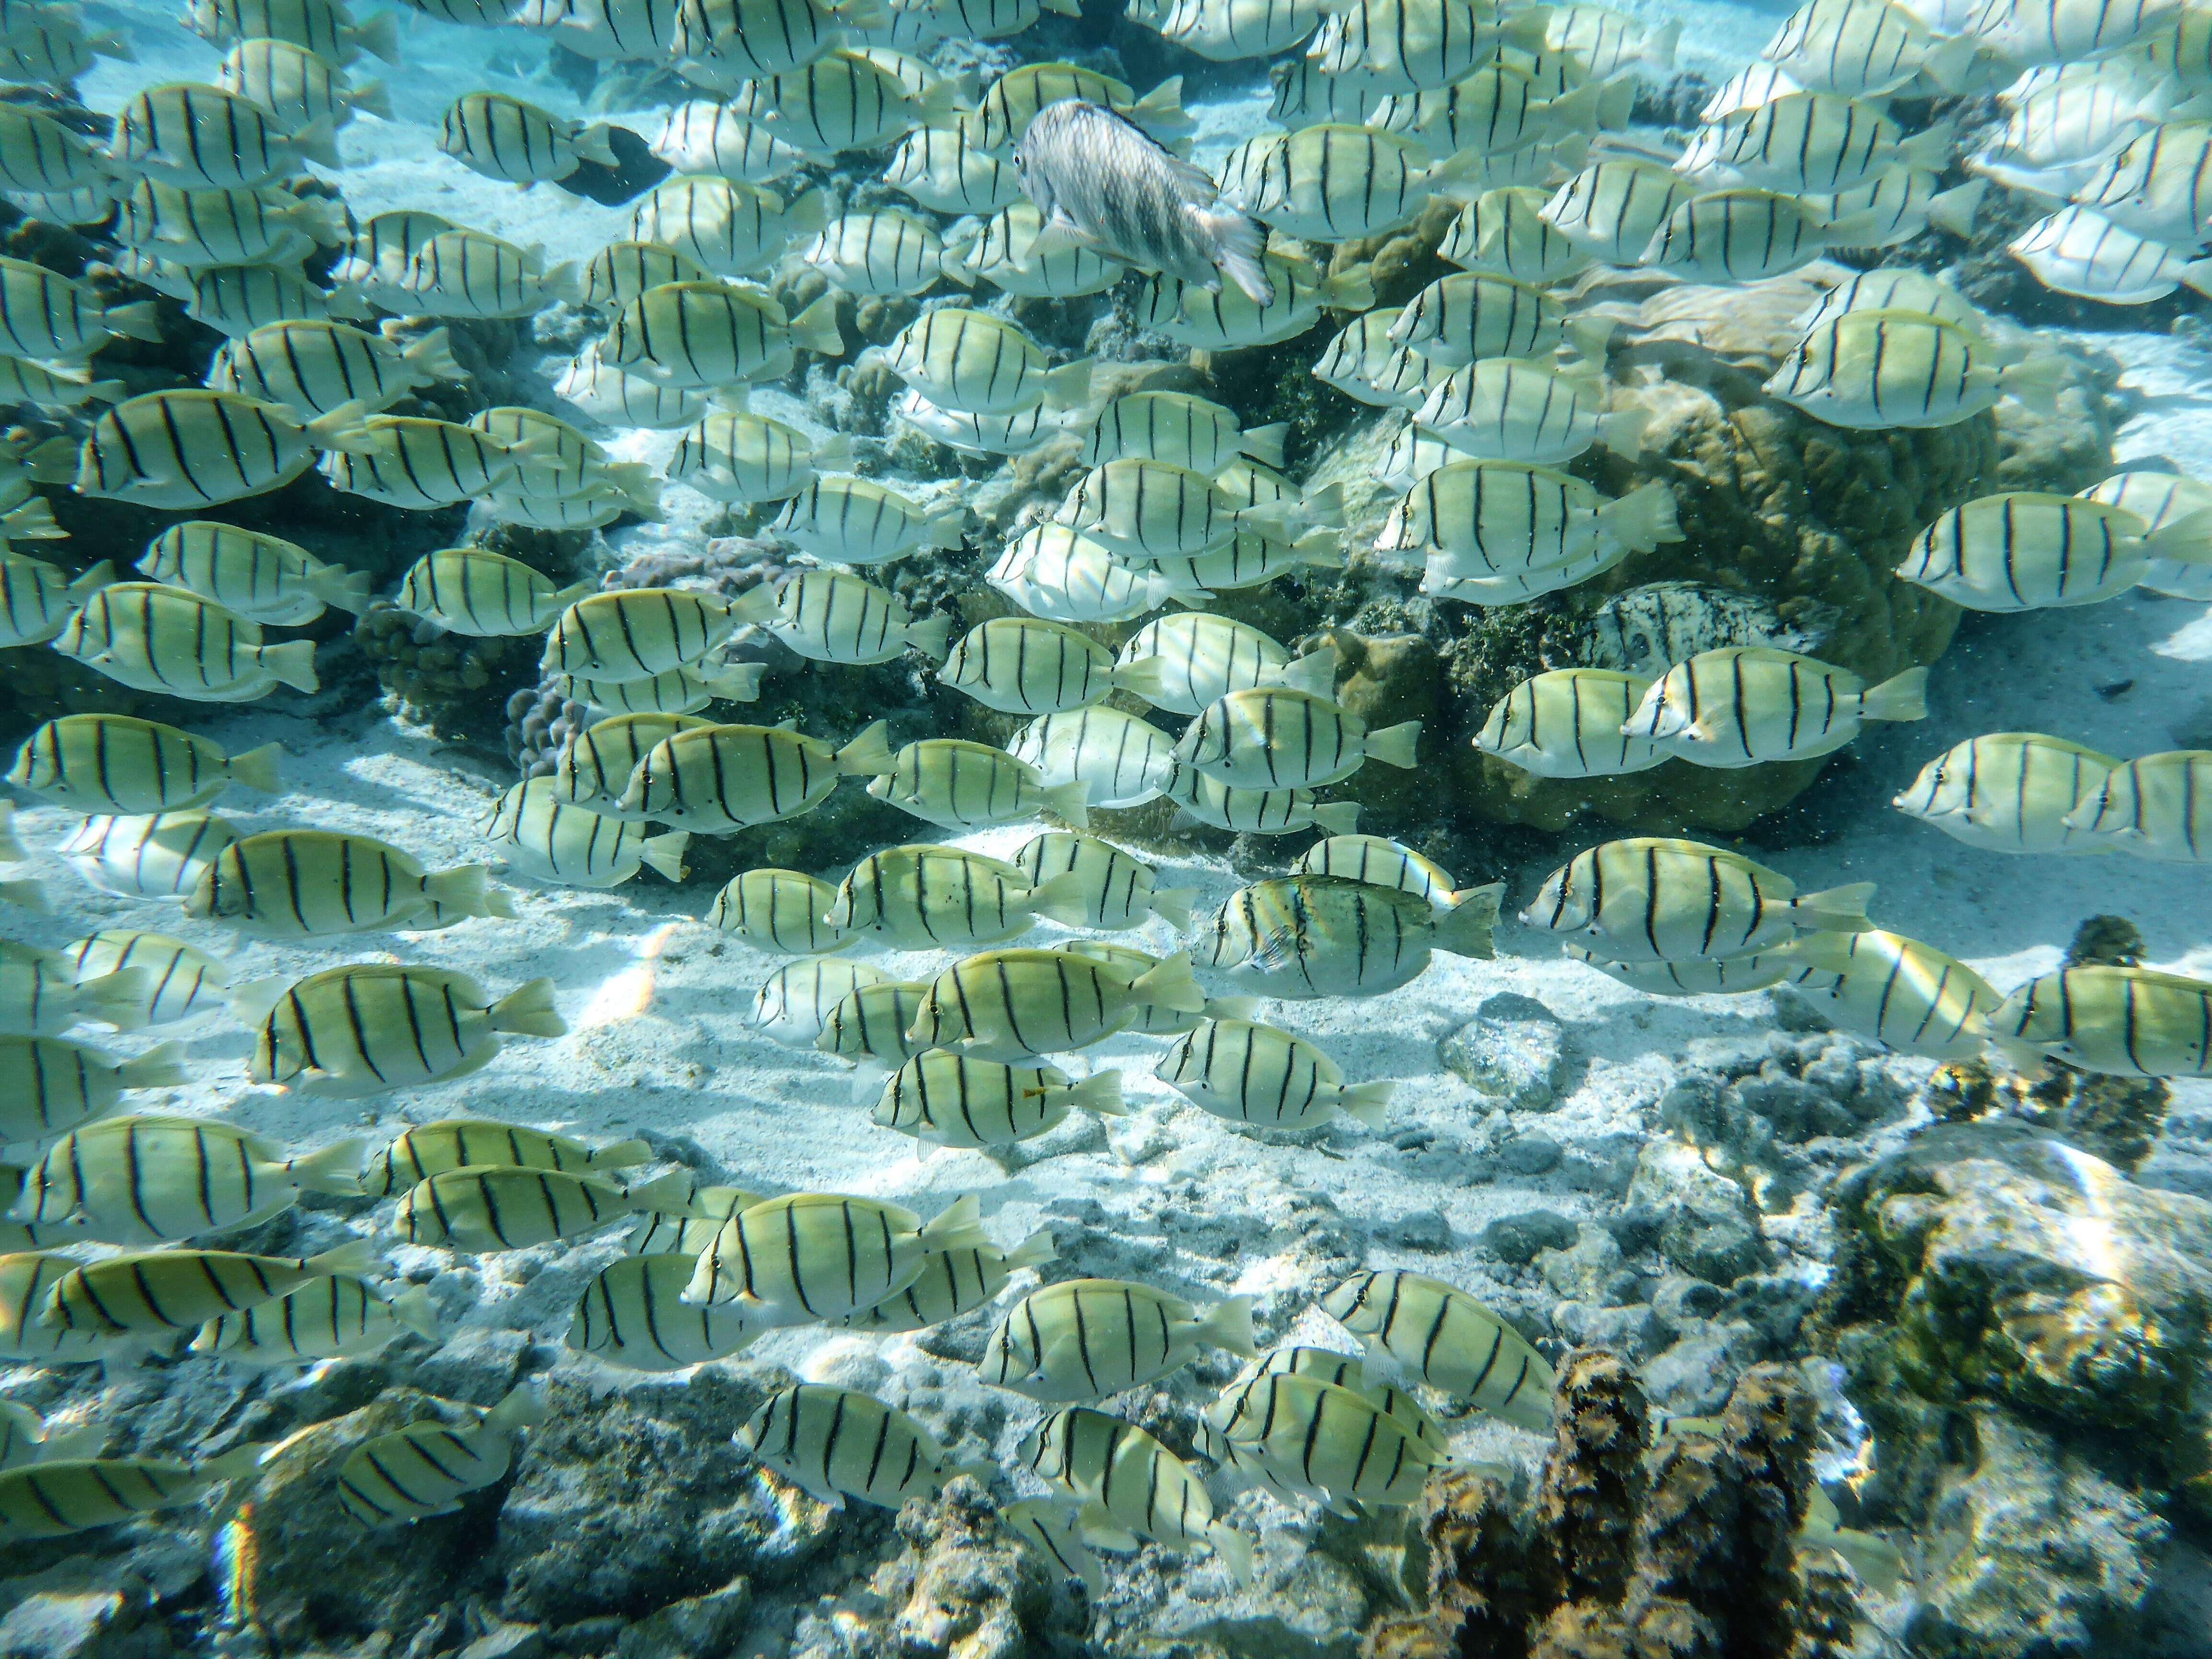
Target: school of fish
[[1053, 181]]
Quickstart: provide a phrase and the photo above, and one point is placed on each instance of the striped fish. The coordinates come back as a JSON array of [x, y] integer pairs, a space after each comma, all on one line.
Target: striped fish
[[1873, 369], [1014, 98], [150, 1179], [1612, 208], [703, 137], [187, 449], [1085, 1339], [1894, 989], [1897, 206], [1337, 182], [376, 254], [635, 633], [779, 910], [883, 252], [422, 464], [37, 599], [1024, 665], [1380, 862], [465, 273], [1814, 140], [979, 364], [679, 691], [315, 884], [926, 897], [159, 638], [235, 299], [1500, 109], [1310, 1438], [299, 87], [1364, 362], [1605, 42], [2113, 1022], [1232, 319], [737, 456], [818, 1257], [2078, 252], [1118, 891], [1730, 977], [1650, 899], [1469, 518], [202, 138], [368, 1027], [856, 521], [595, 765], [631, 1314], [607, 393], [936, 167], [262, 578], [847, 101], [1226, 30], [2029, 32], [485, 595], [1449, 1339], [2158, 184], [1865, 48], [1205, 801], [502, 1206], [52, 1085], [29, 383], [953, 1282], [1053, 571], [1506, 410], [1455, 320], [503, 137], [178, 980], [687, 335], [1050, 1527], [1410, 45], [1156, 1018], [2183, 568], [316, 367], [42, 996], [827, 616], [1178, 429], [54, 1498], [196, 229], [605, 31], [1275, 737], [44, 315], [2023, 550], [160, 1291], [945, 1099], [431, 1149], [1003, 252], [2010, 792], [1570, 723], [1202, 658], [620, 271], [730, 227], [726, 777], [26, 1279], [546, 838], [1142, 510], [1502, 233], [869, 1022], [959, 785], [39, 156], [1747, 705], [321, 26], [976, 435], [795, 1001], [335, 1317], [1345, 1370], [1308, 936], [1136, 1485], [1902, 289], [1256, 1074], [427, 1469], [834, 1444], [1747, 235], [1012, 1005], [2151, 806], [687, 1234], [724, 43], [146, 855]]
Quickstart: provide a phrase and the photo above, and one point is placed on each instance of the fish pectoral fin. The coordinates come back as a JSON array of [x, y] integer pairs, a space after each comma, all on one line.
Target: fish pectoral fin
[[1100, 1529]]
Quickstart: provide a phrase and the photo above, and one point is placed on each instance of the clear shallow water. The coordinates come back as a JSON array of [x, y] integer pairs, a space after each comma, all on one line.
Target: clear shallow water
[[659, 1040]]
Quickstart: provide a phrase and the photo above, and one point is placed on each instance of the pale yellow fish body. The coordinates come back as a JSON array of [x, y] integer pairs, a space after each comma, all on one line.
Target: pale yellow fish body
[[427, 1469], [52, 1499], [834, 1444], [260, 577], [1505, 408], [203, 138], [2010, 792], [45, 316], [422, 463], [541, 836], [1274, 737], [926, 897], [196, 229], [631, 1314], [178, 981], [620, 271], [1448, 1340], [1012, 1005], [945, 1099], [1256, 811], [1026, 665], [679, 691], [2183, 566], [856, 521], [1232, 319], [185, 450], [694, 335], [867, 1025], [953, 1282], [780, 910], [735, 456], [299, 87], [971, 362], [146, 855], [595, 766], [1731, 976], [1747, 705], [1378, 861], [1118, 890], [795, 1003], [1503, 232], [158, 1291], [1118, 759], [812, 1256], [1003, 253], [635, 633], [336, 1317], [1650, 899], [1308, 936], [1895, 990], [704, 137], [37, 599], [2025, 550], [959, 785], [119, 763], [2152, 806], [1014, 98], [483, 594], [728, 226], [2116, 1022], [938, 170], [1053, 571], [503, 137], [724, 777], [1085, 1339], [26, 1279], [827, 616], [1870, 370], [1257, 1074], [316, 883], [1129, 1484], [466, 273], [506, 1207], [1318, 1439], [430, 1149], [368, 1027], [1611, 209], [321, 26], [1567, 723]]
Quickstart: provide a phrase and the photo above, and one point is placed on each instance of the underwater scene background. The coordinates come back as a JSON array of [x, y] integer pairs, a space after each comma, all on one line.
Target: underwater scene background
[[1536, 1214]]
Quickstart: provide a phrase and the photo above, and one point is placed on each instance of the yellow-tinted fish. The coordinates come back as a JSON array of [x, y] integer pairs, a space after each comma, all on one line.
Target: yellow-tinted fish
[[371, 1027], [429, 1468], [51, 1086], [1084, 1338], [945, 1099], [1450, 1340], [148, 1180], [822, 1256], [2118, 1022], [833, 1443], [1650, 899]]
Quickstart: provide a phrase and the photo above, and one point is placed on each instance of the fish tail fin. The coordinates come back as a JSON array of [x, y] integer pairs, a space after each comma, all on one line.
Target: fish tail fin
[[1947, 62], [1101, 1093], [1953, 210], [664, 854], [1837, 911], [931, 636], [465, 888], [370, 98], [380, 36], [1395, 745], [116, 999], [1366, 1102], [1168, 983], [1659, 47], [1350, 290], [1339, 818], [1903, 698], [1264, 444], [139, 320], [347, 590], [1068, 386], [355, 1256], [335, 1168], [1465, 929], [1172, 905], [240, 1460], [33, 521], [734, 682], [162, 1067], [528, 1011], [318, 141], [413, 1308], [1616, 105], [1070, 802], [959, 1226], [868, 755], [1645, 517], [1932, 149], [1622, 431], [252, 1002], [1160, 111], [1145, 678], [595, 143], [1229, 1325], [522, 1409], [30, 894], [1234, 1548], [432, 357], [815, 329], [1035, 1250], [1061, 899]]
